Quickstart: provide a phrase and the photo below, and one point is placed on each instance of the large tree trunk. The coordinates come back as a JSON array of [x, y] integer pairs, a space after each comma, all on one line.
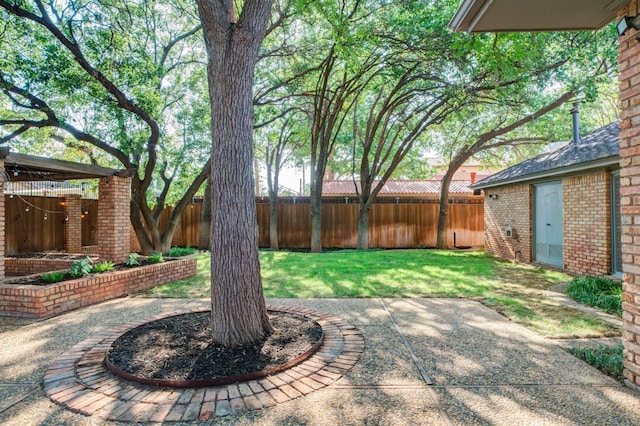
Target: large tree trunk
[[316, 217], [238, 310], [363, 228], [443, 213], [273, 223], [204, 235]]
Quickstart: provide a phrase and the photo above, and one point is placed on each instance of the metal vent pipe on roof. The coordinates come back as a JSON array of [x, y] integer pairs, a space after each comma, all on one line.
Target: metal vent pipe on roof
[[575, 117]]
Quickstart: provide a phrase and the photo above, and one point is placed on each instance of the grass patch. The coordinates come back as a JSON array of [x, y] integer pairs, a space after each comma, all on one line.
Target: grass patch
[[607, 359], [516, 291], [181, 251], [598, 292]]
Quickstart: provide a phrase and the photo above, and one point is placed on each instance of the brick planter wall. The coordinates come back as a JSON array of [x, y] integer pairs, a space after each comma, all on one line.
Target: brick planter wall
[[45, 301], [27, 266]]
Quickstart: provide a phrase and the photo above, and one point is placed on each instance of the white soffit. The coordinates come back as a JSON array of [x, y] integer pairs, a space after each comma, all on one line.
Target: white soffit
[[534, 15]]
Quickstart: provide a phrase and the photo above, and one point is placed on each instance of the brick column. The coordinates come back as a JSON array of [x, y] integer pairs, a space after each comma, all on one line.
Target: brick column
[[2, 221], [73, 224], [629, 67], [113, 218]]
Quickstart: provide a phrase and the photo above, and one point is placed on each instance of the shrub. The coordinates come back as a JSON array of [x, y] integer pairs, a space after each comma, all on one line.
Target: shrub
[[607, 359], [80, 267], [155, 258], [103, 267], [53, 277], [598, 292], [181, 251], [133, 259]]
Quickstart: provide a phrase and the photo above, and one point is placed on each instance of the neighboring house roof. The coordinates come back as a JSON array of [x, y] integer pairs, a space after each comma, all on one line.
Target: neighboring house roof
[[395, 187], [595, 150], [479, 176]]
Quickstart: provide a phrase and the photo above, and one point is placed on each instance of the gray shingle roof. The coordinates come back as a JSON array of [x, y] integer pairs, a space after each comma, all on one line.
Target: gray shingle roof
[[595, 149]]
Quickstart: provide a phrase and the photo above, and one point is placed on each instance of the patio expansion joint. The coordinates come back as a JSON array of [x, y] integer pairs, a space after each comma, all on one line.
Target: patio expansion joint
[[531, 385], [10, 402], [423, 373], [79, 381]]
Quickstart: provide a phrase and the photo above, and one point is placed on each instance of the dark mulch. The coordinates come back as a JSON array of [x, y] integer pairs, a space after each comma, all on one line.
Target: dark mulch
[[181, 348]]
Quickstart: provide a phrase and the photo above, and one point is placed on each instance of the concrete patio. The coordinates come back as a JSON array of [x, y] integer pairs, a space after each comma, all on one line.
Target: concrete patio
[[426, 361]]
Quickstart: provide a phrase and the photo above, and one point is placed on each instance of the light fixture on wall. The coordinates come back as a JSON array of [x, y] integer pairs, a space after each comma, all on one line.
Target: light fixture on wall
[[493, 196], [628, 22]]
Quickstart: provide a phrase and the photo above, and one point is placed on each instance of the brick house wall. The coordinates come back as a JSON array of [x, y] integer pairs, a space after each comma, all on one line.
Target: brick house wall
[[512, 207], [2, 221], [587, 224], [629, 77]]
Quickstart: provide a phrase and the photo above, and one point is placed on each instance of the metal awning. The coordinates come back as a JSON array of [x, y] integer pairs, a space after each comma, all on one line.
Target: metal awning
[[534, 15], [23, 167]]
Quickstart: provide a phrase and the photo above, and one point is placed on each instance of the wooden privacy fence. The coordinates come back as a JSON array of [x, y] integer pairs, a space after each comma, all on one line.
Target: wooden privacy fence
[[392, 224], [35, 224]]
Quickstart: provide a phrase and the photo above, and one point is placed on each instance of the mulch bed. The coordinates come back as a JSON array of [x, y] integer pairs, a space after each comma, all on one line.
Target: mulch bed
[[181, 348]]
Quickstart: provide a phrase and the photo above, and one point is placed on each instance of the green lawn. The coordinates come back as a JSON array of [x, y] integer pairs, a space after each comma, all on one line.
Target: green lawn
[[516, 291]]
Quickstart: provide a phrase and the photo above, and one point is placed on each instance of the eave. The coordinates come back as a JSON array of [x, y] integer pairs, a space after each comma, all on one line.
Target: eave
[[609, 163], [536, 15], [23, 167]]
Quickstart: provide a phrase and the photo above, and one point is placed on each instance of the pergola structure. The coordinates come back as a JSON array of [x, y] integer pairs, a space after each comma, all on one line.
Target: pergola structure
[[527, 15], [113, 202]]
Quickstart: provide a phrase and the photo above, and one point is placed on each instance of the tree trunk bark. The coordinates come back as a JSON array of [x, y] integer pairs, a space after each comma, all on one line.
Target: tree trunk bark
[[316, 219], [238, 310], [204, 236], [363, 228], [443, 212], [273, 223]]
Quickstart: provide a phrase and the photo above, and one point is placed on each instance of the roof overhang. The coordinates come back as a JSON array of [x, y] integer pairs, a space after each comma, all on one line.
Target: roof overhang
[[534, 15], [23, 167], [609, 163]]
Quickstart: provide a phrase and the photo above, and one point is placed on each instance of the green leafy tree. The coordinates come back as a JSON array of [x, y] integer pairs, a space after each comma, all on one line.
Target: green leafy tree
[[122, 98], [533, 74]]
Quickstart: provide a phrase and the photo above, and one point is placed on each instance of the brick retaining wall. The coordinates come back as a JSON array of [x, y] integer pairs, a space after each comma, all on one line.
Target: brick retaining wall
[[45, 301], [31, 265]]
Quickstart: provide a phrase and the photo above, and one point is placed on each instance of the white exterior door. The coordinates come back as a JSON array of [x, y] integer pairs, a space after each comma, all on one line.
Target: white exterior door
[[548, 223]]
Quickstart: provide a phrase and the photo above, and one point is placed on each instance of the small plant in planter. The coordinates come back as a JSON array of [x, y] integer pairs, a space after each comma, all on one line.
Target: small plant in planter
[[52, 277], [156, 258], [133, 259], [81, 267], [103, 267]]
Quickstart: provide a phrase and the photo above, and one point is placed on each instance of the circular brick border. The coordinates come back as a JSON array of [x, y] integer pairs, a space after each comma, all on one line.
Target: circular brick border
[[79, 380]]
